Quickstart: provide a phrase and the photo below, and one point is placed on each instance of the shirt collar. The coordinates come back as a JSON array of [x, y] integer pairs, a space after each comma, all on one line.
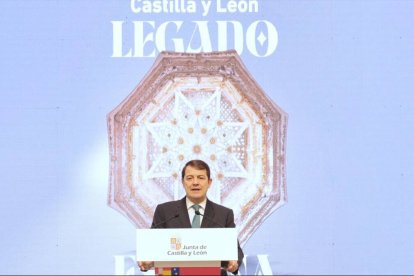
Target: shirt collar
[[189, 203]]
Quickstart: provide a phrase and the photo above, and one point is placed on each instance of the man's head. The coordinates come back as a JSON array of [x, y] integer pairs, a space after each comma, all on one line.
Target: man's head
[[196, 180]]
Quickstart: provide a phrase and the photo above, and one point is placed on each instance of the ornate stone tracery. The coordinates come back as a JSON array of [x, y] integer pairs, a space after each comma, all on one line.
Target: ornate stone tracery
[[198, 106]]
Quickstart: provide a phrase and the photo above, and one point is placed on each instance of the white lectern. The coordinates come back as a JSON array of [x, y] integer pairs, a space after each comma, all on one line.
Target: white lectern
[[187, 251]]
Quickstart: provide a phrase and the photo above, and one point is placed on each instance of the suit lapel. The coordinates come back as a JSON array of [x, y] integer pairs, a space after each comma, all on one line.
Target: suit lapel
[[184, 217], [208, 216]]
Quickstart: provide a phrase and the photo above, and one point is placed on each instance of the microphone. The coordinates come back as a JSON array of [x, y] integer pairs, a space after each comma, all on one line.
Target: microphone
[[213, 221], [164, 221]]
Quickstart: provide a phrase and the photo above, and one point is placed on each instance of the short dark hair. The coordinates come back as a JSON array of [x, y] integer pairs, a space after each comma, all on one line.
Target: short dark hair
[[198, 164]]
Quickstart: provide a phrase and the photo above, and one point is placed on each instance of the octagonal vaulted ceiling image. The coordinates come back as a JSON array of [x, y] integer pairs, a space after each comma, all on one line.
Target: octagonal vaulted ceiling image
[[198, 106]]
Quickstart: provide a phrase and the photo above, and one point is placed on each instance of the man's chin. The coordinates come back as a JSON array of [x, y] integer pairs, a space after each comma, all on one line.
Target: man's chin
[[196, 197]]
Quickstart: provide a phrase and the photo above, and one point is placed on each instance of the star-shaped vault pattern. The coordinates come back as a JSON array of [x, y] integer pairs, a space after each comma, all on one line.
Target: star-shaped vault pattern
[[197, 129]]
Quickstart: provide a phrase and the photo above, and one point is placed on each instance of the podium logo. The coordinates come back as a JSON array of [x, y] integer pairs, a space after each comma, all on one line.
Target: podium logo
[[175, 243]]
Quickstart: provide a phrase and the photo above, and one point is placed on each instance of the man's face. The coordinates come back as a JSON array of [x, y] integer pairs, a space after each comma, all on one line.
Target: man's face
[[196, 184]]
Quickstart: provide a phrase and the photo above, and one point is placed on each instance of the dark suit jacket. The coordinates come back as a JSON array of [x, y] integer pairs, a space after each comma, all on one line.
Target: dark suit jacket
[[174, 214]]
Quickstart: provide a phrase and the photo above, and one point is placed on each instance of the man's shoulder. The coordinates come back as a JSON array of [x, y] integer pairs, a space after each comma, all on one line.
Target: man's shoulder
[[219, 207]]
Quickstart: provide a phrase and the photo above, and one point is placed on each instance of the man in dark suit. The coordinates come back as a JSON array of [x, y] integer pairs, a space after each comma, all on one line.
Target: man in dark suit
[[185, 213]]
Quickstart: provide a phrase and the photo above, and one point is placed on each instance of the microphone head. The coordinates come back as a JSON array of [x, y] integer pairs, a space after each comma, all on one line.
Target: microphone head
[[198, 213]]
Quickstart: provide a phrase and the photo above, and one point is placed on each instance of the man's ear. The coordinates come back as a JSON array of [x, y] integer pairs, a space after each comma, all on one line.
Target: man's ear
[[209, 182]]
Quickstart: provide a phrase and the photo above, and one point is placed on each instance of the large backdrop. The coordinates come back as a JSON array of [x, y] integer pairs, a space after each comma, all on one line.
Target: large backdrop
[[339, 72]]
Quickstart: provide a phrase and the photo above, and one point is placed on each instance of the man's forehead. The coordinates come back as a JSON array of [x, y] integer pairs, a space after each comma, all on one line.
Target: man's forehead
[[194, 171]]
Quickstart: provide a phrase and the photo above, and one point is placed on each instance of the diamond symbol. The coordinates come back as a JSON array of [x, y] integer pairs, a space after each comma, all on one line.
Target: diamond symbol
[[261, 38]]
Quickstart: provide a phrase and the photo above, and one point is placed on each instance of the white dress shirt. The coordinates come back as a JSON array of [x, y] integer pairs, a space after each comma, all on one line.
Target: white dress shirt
[[191, 211]]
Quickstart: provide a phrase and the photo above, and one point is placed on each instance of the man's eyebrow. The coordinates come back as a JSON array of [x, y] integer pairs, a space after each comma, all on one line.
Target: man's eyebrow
[[195, 176]]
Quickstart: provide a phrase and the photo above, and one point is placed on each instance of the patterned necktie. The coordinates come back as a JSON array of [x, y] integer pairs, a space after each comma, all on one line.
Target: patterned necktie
[[196, 219]]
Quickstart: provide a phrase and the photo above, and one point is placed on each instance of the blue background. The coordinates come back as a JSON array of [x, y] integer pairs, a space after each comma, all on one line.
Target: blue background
[[343, 71]]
